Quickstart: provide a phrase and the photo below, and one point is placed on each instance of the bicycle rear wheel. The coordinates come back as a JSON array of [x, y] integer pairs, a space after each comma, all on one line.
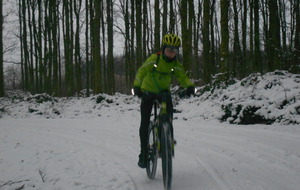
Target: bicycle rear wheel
[[166, 154], [152, 153]]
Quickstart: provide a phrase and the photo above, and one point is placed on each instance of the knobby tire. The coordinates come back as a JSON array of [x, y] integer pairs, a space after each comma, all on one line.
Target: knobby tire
[[166, 154], [152, 153]]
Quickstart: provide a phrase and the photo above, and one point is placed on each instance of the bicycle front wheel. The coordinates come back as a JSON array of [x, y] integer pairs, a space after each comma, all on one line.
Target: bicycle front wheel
[[166, 154], [152, 152]]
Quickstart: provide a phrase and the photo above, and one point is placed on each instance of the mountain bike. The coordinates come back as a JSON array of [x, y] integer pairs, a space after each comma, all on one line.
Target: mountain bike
[[160, 143]]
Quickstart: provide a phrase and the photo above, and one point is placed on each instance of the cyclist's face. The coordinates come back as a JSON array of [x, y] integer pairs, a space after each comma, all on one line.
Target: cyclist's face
[[171, 52]]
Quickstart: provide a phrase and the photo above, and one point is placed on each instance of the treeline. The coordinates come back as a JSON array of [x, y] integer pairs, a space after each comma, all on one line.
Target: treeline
[[254, 36], [54, 58], [68, 46]]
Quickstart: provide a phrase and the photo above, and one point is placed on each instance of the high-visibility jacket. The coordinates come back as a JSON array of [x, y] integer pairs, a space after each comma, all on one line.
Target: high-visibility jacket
[[155, 75]]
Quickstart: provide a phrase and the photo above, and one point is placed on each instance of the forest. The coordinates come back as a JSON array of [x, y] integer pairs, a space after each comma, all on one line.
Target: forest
[[95, 46]]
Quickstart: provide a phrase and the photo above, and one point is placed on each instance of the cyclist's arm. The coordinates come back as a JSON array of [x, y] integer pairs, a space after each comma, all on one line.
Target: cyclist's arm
[[181, 76], [143, 70]]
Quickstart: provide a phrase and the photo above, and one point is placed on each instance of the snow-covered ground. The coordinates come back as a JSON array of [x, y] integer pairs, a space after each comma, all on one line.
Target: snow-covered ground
[[102, 153], [76, 143]]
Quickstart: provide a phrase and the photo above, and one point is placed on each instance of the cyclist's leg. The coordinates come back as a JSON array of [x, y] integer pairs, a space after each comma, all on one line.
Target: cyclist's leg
[[146, 108]]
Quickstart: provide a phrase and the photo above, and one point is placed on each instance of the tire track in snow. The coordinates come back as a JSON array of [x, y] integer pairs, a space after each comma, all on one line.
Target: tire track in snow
[[211, 171], [244, 157], [200, 172]]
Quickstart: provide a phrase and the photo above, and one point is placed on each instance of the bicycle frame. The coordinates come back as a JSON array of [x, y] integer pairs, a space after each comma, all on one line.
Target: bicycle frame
[[160, 129]]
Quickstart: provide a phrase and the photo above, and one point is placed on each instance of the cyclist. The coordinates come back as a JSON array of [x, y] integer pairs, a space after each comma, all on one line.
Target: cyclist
[[154, 77]]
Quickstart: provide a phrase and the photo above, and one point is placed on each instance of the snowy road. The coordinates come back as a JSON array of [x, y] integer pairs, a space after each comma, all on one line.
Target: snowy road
[[102, 154]]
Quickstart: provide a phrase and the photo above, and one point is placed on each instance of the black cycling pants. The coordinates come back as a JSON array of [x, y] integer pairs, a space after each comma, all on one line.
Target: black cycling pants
[[146, 108]]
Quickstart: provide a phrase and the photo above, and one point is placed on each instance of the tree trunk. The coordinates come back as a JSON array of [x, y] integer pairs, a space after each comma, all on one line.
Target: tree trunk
[[30, 11], [165, 16], [49, 54], [77, 10], [243, 65], [68, 48], [145, 31], [25, 62], [96, 49], [196, 37], [172, 18], [128, 64], [274, 37], [103, 50], [35, 46], [157, 38], [283, 24], [186, 33], [139, 51], [1, 51], [21, 44], [110, 56], [206, 43], [257, 56], [213, 50], [296, 54], [236, 46], [92, 66], [224, 38], [54, 31], [87, 52], [191, 18], [251, 41], [39, 48]]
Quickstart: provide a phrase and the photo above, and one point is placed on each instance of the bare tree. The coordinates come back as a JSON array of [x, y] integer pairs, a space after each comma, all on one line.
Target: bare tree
[[103, 49], [96, 48], [207, 72], [146, 32], [274, 46], [129, 69], [243, 65], [186, 29], [68, 46], [139, 51], [224, 37], [78, 60], [296, 52], [24, 46], [165, 16], [110, 56], [87, 49], [157, 26], [1, 51], [54, 53], [236, 42]]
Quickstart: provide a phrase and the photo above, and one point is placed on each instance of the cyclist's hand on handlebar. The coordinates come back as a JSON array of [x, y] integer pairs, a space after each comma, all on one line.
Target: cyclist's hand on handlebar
[[136, 91], [190, 90]]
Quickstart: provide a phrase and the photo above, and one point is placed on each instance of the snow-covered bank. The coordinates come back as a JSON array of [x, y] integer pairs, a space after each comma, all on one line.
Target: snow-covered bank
[[22, 105], [270, 98]]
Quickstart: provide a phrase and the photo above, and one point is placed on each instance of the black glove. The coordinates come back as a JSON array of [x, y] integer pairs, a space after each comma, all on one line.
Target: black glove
[[137, 92], [190, 91]]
